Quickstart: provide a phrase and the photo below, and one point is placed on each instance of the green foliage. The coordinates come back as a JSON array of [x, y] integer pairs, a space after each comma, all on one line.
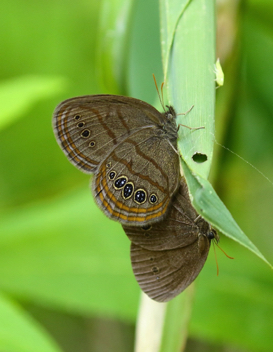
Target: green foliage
[[21, 333], [194, 33], [57, 249]]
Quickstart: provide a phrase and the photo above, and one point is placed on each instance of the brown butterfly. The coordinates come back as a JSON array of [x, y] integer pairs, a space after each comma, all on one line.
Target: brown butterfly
[[129, 146], [168, 255]]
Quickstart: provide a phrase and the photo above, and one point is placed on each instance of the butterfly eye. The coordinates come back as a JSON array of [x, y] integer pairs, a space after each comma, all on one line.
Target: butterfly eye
[[212, 235]]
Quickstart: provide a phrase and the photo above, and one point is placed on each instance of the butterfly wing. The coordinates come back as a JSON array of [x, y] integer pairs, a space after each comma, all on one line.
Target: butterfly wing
[[177, 230], [87, 128], [136, 181], [167, 256], [162, 275]]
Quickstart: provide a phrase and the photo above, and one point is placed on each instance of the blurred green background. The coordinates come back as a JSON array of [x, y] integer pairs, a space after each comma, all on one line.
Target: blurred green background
[[66, 282]]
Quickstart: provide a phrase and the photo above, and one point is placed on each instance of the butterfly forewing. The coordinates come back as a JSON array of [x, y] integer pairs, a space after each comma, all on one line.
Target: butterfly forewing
[[104, 119]]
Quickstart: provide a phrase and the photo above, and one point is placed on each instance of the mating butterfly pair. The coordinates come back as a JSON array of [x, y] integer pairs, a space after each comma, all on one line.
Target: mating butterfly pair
[[131, 148]]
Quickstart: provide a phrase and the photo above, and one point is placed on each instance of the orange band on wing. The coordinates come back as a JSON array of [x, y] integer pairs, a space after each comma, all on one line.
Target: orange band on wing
[[121, 206]]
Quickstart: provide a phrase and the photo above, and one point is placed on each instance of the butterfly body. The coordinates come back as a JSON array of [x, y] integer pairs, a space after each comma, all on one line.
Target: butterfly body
[[129, 146]]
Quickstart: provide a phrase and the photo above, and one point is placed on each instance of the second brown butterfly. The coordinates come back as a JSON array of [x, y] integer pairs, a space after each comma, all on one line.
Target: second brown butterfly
[[167, 256]]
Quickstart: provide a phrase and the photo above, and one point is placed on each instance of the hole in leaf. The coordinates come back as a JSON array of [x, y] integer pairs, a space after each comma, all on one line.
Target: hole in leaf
[[199, 158]]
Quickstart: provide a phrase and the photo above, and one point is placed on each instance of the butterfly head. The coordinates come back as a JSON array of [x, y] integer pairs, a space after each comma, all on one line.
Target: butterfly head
[[169, 124], [213, 235], [170, 113]]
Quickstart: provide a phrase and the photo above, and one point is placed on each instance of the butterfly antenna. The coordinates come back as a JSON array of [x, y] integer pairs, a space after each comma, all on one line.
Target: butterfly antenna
[[162, 94], [223, 251], [160, 98], [216, 243], [217, 266]]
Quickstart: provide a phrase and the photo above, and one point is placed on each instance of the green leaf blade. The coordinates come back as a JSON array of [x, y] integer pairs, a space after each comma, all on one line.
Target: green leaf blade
[[210, 206], [113, 41], [192, 82]]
